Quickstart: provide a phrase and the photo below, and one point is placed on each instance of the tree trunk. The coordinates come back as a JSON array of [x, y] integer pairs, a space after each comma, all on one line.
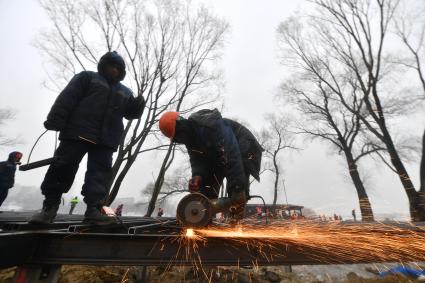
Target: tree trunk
[[416, 202], [422, 168], [421, 194], [276, 179], [417, 212], [159, 182], [365, 207], [115, 169], [113, 193]]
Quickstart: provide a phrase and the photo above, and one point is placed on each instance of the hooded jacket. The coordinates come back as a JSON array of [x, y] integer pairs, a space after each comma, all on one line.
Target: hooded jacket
[[226, 143], [249, 147], [7, 172], [92, 106]]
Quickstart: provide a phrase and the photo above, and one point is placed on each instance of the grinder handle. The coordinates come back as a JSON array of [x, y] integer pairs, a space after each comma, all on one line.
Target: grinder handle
[[38, 164]]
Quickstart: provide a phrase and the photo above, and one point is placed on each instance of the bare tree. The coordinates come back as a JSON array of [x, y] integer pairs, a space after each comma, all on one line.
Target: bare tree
[[410, 28], [5, 116], [326, 119], [169, 48], [276, 138], [349, 39], [174, 184]]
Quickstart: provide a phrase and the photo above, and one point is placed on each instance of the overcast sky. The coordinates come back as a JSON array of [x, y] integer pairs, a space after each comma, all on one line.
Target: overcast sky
[[315, 177]]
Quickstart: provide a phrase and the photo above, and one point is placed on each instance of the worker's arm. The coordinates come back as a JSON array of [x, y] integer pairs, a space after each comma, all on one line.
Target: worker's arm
[[135, 106], [66, 101], [198, 162]]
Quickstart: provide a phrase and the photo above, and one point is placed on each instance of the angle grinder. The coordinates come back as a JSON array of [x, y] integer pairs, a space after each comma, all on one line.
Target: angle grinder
[[196, 210]]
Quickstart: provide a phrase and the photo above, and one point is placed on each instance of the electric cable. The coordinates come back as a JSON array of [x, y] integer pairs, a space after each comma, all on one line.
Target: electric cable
[[264, 204], [32, 149]]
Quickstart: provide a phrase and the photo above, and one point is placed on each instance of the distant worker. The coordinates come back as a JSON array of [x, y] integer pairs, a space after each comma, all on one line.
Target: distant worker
[[74, 201], [7, 174], [221, 217], [294, 216], [218, 148], [88, 113], [269, 213], [160, 212], [259, 211], [118, 210], [353, 212]]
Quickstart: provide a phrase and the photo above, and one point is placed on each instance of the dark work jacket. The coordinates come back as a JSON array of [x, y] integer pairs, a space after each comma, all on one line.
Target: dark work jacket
[[91, 109], [7, 175], [249, 147], [215, 145]]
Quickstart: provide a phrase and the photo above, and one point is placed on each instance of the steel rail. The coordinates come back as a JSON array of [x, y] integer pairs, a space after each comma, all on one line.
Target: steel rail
[[149, 241], [37, 247]]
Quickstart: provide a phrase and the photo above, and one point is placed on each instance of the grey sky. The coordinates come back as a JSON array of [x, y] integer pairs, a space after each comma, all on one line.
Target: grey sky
[[314, 177]]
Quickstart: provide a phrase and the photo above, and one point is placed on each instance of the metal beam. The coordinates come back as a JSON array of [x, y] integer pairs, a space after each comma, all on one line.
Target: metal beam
[[149, 241], [123, 249]]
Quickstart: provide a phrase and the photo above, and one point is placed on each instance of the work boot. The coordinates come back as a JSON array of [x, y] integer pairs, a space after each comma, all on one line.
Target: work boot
[[46, 215], [94, 216]]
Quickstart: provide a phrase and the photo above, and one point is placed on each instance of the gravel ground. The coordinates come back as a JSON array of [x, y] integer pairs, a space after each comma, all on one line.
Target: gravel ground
[[300, 274]]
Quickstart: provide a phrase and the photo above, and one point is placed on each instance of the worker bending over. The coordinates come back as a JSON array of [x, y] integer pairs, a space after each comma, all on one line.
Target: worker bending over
[[218, 148]]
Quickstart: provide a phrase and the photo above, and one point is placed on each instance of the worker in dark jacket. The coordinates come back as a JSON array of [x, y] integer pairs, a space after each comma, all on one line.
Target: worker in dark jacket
[[88, 114], [7, 174], [218, 148]]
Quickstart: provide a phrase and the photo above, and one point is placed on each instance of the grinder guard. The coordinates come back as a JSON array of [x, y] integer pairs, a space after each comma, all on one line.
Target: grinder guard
[[196, 210]]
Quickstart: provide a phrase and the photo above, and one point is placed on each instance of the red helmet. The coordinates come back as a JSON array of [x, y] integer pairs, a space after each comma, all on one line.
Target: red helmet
[[15, 157], [167, 123]]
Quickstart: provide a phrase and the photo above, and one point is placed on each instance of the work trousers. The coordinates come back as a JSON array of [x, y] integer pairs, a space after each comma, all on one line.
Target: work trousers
[[61, 173], [71, 209], [212, 182]]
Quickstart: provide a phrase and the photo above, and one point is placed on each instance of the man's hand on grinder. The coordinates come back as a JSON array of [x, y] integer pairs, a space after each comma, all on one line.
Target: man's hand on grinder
[[51, 126], [195, 184]]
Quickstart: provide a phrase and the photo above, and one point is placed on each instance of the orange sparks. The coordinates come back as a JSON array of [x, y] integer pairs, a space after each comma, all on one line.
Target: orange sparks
[[189, 233], [329, 242], [305, 241]]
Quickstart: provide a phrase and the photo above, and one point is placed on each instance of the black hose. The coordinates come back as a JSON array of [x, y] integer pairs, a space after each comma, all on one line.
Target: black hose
[[29, 156], [264, 205]]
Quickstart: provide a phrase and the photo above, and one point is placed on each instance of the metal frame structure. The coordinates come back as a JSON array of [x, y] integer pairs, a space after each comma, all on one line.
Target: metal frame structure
[[136, 241]]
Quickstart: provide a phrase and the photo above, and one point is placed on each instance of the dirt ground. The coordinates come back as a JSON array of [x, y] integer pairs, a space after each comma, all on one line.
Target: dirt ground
[[112, 274]]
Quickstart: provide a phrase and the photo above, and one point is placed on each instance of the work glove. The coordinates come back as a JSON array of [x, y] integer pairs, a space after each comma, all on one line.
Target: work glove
[[195, 184], [51, 126], [141, 101]]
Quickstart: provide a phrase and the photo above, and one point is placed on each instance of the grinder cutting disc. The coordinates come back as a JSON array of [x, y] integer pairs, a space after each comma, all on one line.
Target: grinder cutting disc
[[194, 210]]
